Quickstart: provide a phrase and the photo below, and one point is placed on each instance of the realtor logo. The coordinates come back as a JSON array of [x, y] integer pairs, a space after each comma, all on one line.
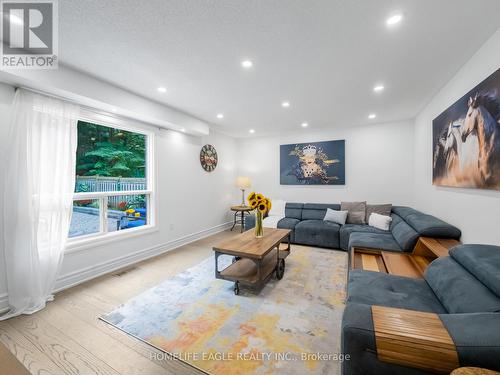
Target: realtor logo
[[29, 34]]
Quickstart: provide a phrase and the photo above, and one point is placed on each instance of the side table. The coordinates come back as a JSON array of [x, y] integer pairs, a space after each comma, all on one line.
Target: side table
[[239, 215]]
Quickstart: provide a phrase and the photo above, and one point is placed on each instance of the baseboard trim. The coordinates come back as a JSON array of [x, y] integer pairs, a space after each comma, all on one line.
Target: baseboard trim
[[77, 277]]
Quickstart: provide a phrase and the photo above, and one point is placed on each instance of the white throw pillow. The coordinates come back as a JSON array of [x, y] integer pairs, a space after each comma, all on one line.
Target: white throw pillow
[[277, 208], [380, 221], [335, 216]]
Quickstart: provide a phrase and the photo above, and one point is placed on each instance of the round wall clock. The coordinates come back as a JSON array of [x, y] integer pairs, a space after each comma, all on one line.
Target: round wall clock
[[208, 158]]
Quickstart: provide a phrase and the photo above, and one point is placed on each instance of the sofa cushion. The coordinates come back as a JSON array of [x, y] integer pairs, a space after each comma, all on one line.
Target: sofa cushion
[[317, 211], [380, 221], [381, 209], [376, 288], [483, 261], [357, 212], [403, 233], [427, 225], [383, 241], [294, 210], [335, 216], [317, 233], [458, 290], [348, 229]]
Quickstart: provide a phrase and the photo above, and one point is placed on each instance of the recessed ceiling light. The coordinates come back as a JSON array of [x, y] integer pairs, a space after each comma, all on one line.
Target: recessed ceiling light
[[378, 88], [305, 124], [246, 64], [394, 19], [162, 89], [220, 115], [114, 109], [183, 130], [285, 104], [251, 131], [371, 116]]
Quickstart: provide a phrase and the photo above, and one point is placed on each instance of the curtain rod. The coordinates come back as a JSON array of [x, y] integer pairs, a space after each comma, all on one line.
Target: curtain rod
[[86, 107], [72, 101]]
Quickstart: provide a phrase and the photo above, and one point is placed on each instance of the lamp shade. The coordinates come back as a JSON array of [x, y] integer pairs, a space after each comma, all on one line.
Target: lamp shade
[[243, 182]]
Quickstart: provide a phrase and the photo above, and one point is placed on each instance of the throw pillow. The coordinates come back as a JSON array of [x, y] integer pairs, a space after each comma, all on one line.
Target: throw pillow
[[380, 221], [356, 212], [334, 216], [277, 208], [381, 209]]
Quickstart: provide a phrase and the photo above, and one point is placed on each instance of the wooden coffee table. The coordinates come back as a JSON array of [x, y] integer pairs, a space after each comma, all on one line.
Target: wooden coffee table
[[255, 259]]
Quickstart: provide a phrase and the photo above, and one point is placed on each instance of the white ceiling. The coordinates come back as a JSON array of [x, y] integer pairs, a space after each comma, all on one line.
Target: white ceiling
[[324, 56]]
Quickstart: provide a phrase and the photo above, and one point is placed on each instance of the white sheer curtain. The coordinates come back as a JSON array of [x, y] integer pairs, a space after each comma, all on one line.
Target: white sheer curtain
[[39, 185]]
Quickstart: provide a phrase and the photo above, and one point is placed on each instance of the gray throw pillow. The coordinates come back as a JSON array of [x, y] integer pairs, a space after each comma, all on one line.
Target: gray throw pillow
[[338, 217], [356, 212], [381, 209]]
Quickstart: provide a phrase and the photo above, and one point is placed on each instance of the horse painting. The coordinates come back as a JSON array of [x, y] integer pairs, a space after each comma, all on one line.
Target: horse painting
[[446, 151], [482, 119], [454, 158], [466, 139]]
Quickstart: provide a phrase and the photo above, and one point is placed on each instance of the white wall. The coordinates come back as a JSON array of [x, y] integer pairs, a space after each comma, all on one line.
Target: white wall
[[474, 211], [191, 202], [379, 164]]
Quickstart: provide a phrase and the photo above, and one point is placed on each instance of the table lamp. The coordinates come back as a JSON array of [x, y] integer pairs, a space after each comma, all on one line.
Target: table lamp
[[243, 183]]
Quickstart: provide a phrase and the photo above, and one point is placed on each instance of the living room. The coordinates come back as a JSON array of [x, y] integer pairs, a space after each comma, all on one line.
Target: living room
[[338, 163]]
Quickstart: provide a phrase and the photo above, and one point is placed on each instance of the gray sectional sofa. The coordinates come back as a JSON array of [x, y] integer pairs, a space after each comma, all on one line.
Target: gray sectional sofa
[[308, 228], [463, 289]]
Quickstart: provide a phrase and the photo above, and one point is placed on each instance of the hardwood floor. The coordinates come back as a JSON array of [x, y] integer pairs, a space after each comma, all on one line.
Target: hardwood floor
[[68, 338], [10, 364]]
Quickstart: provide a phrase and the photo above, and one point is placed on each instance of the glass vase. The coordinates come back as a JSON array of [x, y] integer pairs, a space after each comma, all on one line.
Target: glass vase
[[259, 230]]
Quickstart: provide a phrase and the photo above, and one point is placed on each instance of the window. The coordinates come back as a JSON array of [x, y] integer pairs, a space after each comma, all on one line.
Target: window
[[113, 186]]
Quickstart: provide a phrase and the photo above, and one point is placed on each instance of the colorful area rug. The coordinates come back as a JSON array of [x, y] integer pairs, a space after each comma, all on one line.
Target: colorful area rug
[[291, 326]]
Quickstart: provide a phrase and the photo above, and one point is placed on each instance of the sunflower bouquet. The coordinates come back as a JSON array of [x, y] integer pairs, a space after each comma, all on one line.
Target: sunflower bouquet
[[262, 206]]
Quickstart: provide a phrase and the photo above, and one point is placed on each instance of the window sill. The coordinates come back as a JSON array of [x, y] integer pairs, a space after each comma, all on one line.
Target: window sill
[[76, 245]]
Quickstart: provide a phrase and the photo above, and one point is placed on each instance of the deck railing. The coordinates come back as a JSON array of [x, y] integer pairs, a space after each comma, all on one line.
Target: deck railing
[[90, 184]]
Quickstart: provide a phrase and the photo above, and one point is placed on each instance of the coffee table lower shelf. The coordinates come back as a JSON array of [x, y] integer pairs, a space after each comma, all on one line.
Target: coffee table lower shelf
[[254, 259], [254, 272], [246, 271]]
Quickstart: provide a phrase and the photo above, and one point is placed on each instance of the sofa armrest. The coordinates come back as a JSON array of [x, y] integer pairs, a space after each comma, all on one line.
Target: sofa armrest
[[413, 339], [358, 339], [477, 338], [359, 346]]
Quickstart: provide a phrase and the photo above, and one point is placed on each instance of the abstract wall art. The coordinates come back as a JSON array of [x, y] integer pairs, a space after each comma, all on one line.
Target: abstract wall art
[[315, 163]]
